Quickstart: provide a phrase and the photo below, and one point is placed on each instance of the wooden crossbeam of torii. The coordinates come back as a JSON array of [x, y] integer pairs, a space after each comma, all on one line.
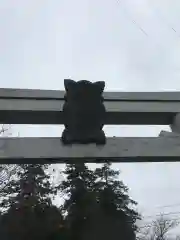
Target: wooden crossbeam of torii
[[24, 106], [51, 150]]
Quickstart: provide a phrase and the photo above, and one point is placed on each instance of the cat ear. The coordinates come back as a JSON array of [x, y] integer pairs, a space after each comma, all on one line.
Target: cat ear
[[100, 85], [69, 84]]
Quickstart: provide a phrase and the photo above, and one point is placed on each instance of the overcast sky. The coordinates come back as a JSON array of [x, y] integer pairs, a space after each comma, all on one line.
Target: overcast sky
[[133, 45]]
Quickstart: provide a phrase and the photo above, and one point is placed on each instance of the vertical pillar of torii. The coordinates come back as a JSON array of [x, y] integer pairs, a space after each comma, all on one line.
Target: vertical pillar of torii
[[174, 126]]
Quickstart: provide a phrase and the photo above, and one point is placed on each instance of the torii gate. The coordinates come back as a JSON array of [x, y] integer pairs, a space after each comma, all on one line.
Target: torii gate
[[25, 106]]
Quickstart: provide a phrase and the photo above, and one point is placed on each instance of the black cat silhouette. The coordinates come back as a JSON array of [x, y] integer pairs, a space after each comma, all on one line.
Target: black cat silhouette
[[83, 112]]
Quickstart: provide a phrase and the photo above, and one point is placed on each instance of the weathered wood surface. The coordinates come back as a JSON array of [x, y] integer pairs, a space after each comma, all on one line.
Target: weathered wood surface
[[108, 96], [23, 106], [51, 150]]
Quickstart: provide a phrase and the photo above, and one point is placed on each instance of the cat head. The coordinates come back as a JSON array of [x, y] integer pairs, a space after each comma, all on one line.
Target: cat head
[[84, 89]]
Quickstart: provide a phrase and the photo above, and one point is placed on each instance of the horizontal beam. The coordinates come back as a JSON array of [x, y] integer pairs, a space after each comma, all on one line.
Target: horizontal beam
[[108, 96], [51, 150], [23, 106]]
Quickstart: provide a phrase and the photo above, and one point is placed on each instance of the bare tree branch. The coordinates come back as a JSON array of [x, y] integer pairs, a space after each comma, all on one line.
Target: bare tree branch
[[158, 229]]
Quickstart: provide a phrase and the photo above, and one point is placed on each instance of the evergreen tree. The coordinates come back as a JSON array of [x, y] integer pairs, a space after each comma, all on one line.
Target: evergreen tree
[[94, 196], [112, 194], [28, 210], [32, 187], [78, 187], [114, 201]]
